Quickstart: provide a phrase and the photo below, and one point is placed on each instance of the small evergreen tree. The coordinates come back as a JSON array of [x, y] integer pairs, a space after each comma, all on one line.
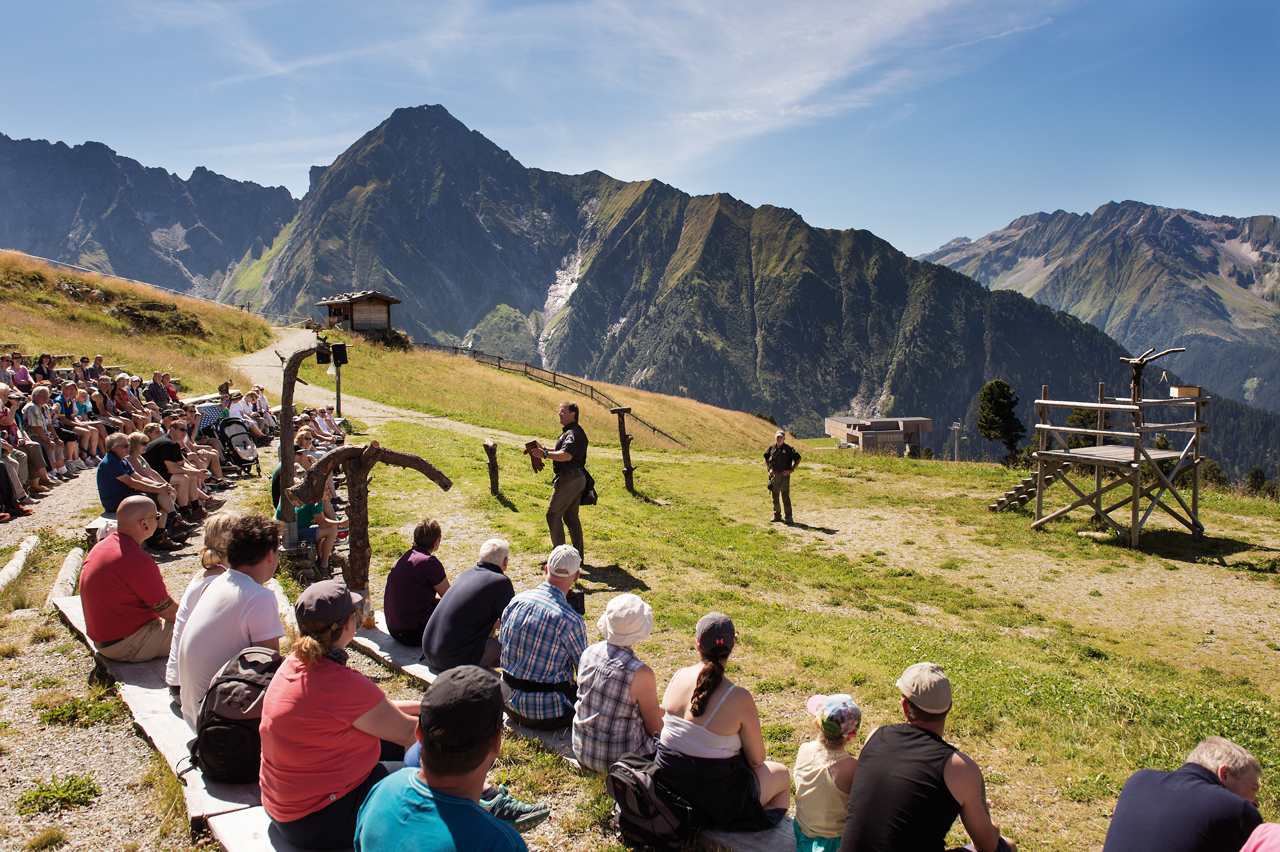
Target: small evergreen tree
[[927, 454], [1255, 481], [997, 417]]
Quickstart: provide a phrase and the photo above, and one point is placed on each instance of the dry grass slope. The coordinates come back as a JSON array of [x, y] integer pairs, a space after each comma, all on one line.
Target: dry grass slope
[[70, 313], [456, 387]]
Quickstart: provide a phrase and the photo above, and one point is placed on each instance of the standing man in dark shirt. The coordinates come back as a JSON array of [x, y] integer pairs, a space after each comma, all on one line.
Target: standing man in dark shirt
[[461, 630], [911, 783], [781, 459], [1209, 804], [568, 461]]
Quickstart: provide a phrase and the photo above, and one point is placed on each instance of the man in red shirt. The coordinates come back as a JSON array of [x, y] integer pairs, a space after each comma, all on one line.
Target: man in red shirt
[[128, 612]]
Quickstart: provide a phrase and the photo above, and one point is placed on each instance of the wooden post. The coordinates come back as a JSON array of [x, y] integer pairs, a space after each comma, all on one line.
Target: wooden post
[[337, 382], [1198, 530], [357, 463], [625, 440], [1134, 513], [1097, 468], [491, 450], [1043, 412], [287, 514]]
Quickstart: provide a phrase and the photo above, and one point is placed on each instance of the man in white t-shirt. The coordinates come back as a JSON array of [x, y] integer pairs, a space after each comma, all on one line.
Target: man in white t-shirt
[[235, 612]]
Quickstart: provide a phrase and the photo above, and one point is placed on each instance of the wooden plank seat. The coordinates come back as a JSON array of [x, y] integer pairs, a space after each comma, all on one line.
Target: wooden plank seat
[[160, 722]]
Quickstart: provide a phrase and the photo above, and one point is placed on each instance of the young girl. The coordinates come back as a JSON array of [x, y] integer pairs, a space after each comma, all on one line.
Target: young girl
[[824, 773], [213, 561]]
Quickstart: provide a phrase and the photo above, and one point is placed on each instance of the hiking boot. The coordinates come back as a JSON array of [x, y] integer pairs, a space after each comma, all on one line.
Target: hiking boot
[[777, 519], [196, 513], [162, 543], [515, 813]]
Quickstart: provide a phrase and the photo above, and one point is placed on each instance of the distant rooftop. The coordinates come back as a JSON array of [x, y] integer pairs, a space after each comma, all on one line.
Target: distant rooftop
[[358, 296]]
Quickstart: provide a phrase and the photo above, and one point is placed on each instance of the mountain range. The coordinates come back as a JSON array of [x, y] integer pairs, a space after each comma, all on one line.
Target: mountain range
[[90, 206], [638, 283], [1151, 277]]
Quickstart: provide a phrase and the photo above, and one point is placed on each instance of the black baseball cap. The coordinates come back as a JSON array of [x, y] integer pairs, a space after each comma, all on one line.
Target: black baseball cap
[[461, 709], [715, 633]]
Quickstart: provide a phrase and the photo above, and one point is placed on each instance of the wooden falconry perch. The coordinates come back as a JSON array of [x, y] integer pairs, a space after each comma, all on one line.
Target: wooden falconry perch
[[1139, 364], [357, 463]]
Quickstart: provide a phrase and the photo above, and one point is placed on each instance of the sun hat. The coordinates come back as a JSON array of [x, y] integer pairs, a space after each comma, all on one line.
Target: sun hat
[[715, 633], [461, 709], [626, 620], [564, 561], [926, 686], [837, 715], [329, 602]]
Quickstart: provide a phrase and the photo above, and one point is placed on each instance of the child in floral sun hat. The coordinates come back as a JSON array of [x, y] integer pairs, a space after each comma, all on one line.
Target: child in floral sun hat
[[824, 773]]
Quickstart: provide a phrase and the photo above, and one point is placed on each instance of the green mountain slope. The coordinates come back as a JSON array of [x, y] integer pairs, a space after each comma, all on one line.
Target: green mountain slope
[[1151, 277]]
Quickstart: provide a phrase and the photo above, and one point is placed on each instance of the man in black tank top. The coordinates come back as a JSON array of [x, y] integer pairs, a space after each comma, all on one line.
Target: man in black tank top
[[911, 784]]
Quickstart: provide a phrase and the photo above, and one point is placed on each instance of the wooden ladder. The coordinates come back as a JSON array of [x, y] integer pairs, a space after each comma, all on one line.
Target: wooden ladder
[[1026, 489]]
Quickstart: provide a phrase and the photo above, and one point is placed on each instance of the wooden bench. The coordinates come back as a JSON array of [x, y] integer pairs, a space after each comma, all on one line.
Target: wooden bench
[[144, 692]]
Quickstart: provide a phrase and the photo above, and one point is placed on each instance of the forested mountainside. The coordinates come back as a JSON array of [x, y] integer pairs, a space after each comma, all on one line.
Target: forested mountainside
[[88, 205], [1151, 277]]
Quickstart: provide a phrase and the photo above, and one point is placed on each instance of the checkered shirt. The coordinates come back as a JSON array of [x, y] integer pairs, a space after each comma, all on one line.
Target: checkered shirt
[[542, 639], [607, 723]]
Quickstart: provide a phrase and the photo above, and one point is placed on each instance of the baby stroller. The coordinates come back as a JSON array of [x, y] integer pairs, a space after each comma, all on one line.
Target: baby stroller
[[238, 445]]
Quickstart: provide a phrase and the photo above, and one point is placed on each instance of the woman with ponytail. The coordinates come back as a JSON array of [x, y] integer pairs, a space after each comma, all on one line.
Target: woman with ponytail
[[325, 727], [711, 751]]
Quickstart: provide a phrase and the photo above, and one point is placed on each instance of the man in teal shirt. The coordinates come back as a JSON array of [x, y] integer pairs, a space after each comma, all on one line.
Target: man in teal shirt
[[437, 806]]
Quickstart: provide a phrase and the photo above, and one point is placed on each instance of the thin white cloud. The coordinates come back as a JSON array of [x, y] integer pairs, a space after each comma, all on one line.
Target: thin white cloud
[[633, 87]]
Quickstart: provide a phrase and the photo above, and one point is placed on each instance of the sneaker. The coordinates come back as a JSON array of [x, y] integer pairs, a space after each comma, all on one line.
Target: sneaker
[[515, 813]]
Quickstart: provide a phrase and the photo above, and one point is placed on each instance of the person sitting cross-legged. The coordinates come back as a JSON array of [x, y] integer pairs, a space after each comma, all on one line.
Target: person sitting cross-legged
[[1209, 804], [542, 640], [128, 612], [617, 710], [437, 806], [235, 611], [461, 630]]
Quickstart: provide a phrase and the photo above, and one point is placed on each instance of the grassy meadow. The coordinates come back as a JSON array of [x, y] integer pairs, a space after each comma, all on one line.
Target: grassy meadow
[[1075, 661], [69, 313]]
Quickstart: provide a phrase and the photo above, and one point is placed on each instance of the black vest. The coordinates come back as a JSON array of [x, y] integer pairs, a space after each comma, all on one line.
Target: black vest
[[899, 801]]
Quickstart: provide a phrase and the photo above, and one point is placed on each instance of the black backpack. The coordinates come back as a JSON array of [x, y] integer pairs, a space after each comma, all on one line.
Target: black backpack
[[227, 746], [645, 813]]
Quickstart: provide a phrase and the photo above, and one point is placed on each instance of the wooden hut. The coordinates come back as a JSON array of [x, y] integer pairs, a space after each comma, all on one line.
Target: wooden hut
[[367, 310]]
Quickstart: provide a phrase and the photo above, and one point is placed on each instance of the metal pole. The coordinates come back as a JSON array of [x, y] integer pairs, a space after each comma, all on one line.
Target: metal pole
[[337, 373]]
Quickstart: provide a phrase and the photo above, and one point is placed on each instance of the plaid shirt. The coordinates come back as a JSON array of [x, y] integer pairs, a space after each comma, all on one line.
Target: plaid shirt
[[155, 392], [607, 723], [542, 639]]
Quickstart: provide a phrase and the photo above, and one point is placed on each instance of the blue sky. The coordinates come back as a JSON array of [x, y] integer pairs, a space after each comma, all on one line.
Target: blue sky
[[920, 120]]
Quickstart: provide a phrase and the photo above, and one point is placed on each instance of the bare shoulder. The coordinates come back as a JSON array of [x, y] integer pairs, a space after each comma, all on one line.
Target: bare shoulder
[[963, 777]]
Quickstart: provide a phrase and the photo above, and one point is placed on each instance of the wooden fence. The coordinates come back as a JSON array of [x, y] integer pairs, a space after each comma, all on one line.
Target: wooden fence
[[551, 377]]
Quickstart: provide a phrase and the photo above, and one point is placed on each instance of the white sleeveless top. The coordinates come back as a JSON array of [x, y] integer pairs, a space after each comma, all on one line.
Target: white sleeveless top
[[694, 740]]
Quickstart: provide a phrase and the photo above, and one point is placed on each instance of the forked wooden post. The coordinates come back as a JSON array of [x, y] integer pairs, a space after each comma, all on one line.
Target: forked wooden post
[[625, 441], [491, 450]]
